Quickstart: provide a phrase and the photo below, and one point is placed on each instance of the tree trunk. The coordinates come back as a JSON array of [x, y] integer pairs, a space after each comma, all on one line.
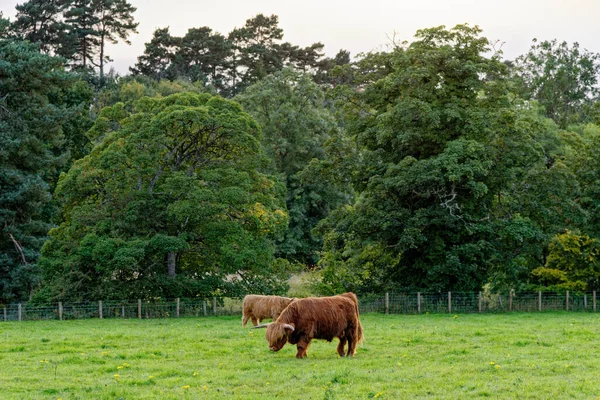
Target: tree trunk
[[102, 61], [171, 271]]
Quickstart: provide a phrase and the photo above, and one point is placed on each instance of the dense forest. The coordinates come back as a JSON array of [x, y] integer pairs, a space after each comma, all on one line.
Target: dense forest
[[222, 164]]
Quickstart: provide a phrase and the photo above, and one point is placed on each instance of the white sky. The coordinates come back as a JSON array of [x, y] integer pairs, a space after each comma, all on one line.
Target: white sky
[[360, 26]]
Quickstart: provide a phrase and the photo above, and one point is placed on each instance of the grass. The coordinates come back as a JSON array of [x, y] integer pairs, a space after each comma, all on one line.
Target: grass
[[537, 356]]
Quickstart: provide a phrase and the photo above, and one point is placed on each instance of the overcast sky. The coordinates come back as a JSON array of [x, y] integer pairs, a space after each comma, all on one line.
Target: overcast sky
[[360, 26]]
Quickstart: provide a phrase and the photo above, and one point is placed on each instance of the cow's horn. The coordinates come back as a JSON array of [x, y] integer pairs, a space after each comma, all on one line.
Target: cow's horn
[[260, 326], [288, 326]]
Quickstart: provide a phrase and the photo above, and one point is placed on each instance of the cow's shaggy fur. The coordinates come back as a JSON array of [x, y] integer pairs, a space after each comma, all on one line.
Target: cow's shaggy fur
[[257, 307], [318, 318]]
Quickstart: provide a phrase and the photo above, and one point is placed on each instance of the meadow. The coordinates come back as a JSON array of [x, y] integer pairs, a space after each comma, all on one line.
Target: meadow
[[516, 355]]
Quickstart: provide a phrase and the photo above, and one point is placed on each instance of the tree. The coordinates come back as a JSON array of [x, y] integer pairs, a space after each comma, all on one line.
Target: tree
[[169, 203], [115, 21], [158, 57], [439, 141], [4, 26], [202, 56], [573, 264], [334, 71], [33, 114], [93, 24], [296, 127], [562, 78], [40, 21], [83, 31], [226, 64], [256, 50], [306, 59]]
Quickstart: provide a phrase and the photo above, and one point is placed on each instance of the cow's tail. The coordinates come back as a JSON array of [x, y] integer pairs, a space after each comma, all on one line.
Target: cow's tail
[[359, 330], [359, 333]]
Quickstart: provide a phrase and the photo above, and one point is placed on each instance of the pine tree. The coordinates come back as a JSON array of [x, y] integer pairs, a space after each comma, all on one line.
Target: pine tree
[[115, 20], [31, 150]]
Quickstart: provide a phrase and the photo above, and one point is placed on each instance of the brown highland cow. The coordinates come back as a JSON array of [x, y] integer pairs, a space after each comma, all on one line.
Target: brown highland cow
[[317, 318], [257, 307]]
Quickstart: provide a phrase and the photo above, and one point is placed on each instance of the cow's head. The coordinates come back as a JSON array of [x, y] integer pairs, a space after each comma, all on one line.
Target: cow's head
[[277, 334]]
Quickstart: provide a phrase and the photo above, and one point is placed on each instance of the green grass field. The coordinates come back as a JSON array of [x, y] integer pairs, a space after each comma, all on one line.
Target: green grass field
[[541, 356]]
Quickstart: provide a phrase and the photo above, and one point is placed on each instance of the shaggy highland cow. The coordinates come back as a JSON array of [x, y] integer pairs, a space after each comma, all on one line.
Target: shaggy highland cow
[[317, 318], [257, 308]]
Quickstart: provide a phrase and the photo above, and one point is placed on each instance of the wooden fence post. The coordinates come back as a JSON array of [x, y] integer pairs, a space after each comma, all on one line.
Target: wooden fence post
[[594, 300], [122, 310], [215, 305], [585, 301], [480, 301], [450, 302], [567, 300], [419, 302], [20, 312], [100, 309], [510, 297], [204, 308], [177, 308], [60, 310], [5, 314], [387, 303], [139, 308], [540, 300]]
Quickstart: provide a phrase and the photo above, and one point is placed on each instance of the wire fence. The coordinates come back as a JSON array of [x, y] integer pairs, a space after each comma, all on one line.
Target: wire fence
[[388, 303]]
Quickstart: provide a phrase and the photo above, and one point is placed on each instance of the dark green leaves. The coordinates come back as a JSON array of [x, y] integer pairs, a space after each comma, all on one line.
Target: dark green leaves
[[168, 199]]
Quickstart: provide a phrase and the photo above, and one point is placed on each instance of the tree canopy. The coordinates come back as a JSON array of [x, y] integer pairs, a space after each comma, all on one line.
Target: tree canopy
[[35, 110], [441, 145], [169, 203], [427, 165], [296, 126]]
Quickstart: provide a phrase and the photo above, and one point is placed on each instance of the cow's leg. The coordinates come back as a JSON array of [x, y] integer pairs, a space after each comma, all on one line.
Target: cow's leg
[[245, 319], [351, 346], [340, 348], [255, 321], [302, 348]]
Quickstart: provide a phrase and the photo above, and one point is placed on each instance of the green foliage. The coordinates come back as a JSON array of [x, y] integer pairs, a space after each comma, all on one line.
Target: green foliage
[[158, 57], [440, 144], [563, 79], [227, 64], [129, 89], [39, 21], [296, 127], [572, 264], [4, 26], [115, 21], [168, 203], [583, 147], [38, 118], [76, 29]]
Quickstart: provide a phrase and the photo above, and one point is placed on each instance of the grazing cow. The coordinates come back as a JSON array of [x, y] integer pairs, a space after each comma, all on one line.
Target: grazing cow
[[317, 318], [257, 307]]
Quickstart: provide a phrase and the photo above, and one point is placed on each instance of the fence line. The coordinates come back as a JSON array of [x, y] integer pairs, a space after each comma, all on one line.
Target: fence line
[[389, 303]]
